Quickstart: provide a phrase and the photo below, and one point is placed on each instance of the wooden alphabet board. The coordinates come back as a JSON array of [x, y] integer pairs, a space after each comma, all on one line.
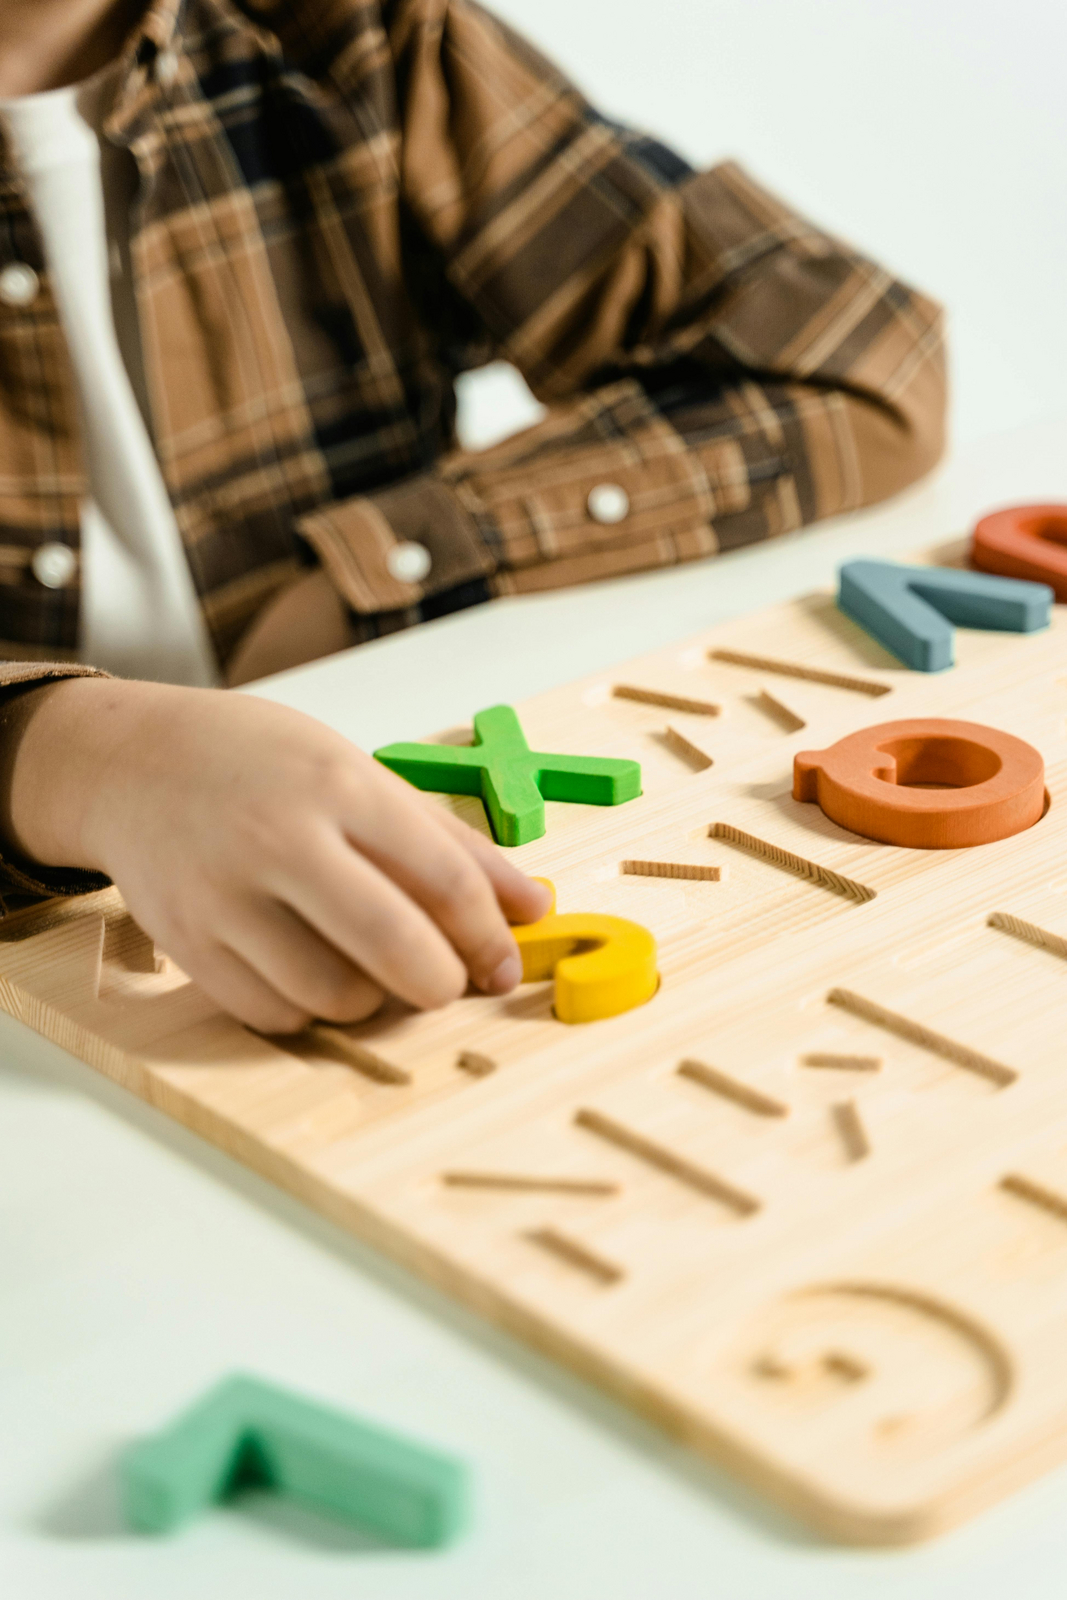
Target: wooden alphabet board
[[807, 1208]]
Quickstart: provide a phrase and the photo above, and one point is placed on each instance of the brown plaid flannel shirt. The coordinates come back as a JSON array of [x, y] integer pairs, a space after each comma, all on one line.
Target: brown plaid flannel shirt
[[344, 203]]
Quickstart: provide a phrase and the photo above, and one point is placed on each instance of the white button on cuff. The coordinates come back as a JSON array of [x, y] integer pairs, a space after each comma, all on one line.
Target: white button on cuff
[[409, 562], [19, 284], [53, 565], [166, 67], [608, 502]]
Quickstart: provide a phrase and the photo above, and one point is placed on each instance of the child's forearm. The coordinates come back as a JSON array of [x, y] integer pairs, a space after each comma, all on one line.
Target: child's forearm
[[306, 621]]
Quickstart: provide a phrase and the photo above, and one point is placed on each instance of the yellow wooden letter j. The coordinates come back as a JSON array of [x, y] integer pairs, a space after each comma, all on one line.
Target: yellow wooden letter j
[[602, 965]]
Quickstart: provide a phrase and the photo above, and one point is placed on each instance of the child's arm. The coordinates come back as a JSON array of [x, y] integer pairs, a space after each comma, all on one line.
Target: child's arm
[[290, 875]]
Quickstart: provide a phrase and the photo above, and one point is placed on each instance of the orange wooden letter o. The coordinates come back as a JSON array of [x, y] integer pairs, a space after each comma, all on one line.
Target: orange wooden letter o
[[926, 783], [1024, 542]]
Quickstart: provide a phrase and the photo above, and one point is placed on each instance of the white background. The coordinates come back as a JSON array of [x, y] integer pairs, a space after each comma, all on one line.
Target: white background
[[137, 1266], [930, 133]]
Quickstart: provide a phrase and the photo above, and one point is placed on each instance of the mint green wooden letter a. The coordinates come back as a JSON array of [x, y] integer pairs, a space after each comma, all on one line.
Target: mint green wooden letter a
[[246, 1432]]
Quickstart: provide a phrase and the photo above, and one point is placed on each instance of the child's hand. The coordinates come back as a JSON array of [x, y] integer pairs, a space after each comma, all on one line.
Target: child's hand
[[290, 875]]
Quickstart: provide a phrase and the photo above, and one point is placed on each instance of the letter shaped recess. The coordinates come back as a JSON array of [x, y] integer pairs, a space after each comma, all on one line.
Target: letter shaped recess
[[911, 610], [927, 784], [512, 780]]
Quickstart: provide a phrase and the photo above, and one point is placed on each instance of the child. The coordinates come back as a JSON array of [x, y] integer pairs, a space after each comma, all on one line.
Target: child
[[248, 245]]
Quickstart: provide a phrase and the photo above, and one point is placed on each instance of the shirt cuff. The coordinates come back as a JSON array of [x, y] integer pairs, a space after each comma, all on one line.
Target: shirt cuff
[[568, 509], [603, 486], [21, 878], [365, 545]]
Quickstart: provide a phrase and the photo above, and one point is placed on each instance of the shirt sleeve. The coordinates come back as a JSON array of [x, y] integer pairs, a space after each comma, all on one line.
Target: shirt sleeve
[[22, 880], [730, 367]]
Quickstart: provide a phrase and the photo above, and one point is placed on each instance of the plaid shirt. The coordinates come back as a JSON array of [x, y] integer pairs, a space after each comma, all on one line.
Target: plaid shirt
[[344, 203]]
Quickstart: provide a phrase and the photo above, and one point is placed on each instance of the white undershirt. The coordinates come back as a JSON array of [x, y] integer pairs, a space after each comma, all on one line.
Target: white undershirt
[[140, 616]]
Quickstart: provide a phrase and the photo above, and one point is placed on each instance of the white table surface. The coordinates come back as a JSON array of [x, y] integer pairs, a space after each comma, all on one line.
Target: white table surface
[[137, 1265]]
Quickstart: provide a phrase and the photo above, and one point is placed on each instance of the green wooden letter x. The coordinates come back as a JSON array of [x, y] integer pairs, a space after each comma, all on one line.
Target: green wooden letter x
[[512, 780]]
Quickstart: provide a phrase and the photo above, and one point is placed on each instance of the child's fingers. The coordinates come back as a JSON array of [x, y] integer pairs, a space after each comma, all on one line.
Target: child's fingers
[[299, 965], [372, 921], [522, 899], [231, 982], [405, 839]]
